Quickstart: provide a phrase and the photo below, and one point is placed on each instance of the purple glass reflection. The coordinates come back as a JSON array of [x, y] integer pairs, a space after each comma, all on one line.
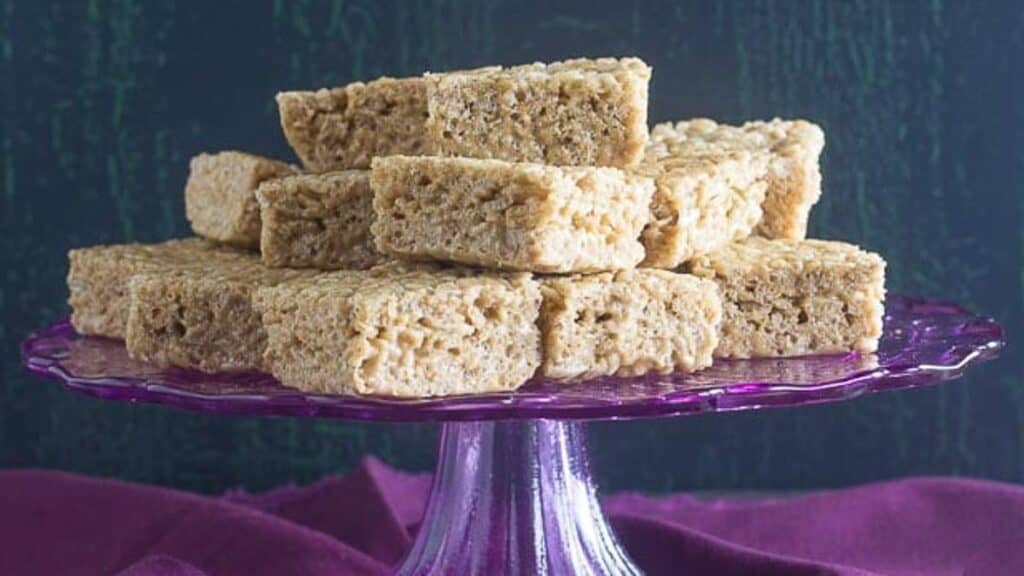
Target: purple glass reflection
[[924, 342]]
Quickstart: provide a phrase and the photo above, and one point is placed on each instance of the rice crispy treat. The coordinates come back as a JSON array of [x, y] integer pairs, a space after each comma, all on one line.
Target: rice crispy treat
[[513, 216], [627, 323], [220, 195], [403, 330], [98, 279], [318, 221], [794, 177], [342, 128], [702, 201], [199, 314], [795, 297], [579, 112]]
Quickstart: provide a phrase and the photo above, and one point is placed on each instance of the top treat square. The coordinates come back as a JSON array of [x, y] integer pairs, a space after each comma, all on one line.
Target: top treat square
[[342, 128], [579, 112]]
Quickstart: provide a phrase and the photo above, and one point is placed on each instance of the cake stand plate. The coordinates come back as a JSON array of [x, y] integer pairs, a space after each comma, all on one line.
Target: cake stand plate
[[512, 492]]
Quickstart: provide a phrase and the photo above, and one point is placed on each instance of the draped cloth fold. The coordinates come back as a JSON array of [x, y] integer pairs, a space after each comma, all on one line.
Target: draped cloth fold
[[362, 524]]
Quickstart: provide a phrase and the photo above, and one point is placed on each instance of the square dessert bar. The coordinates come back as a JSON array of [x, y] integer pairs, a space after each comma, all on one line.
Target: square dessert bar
[[702, 201], [341, 128], [98, 279], [220, 195], [793, 148], [794, 297], [794, 176], [627, 323], [403, 330], [318, 221], [579, 112], [506, 215], [200, 315]]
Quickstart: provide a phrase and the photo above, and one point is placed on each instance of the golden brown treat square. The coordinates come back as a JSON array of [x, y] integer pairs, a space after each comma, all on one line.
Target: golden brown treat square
[[346, 127], [583, 112], [199, 315], [507, 215], [627, 323], [403, 330], [795, 297], [220, 196], [98, 278], [701, 201], [318, 221], [791, 148]]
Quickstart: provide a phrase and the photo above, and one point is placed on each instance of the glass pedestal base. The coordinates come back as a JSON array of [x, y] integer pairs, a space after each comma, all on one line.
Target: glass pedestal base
[[514, 497]]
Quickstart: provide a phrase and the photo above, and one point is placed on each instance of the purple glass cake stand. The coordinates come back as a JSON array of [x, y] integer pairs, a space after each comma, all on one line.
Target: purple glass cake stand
[[512, 492]]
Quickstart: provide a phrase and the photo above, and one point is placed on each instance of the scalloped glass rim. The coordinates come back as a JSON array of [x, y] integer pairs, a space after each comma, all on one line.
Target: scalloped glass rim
[[924, 342]]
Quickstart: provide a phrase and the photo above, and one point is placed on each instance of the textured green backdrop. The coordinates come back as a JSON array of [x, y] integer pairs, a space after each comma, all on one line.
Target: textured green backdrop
[[102, 102]]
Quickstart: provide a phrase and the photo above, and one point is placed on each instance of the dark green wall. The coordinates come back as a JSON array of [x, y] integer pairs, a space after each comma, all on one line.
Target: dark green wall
[[102, 102]]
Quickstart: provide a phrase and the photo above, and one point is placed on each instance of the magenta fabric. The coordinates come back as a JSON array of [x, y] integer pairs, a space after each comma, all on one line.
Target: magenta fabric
[[57, 523]]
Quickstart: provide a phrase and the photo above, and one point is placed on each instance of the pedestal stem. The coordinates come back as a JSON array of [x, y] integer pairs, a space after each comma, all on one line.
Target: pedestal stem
[[511, 498]]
